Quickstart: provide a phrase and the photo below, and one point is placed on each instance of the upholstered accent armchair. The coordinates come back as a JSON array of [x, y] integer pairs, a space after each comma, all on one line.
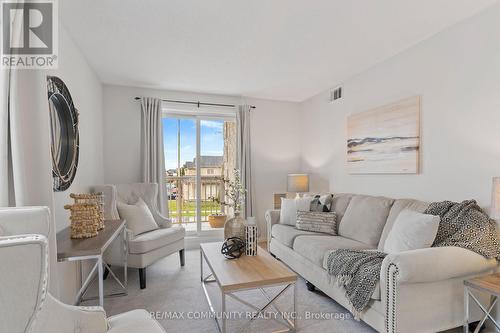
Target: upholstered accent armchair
[[148, 247], [26, 304]]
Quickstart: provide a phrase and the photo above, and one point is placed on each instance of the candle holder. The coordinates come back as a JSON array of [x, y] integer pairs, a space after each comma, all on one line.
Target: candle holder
[[251, 237]]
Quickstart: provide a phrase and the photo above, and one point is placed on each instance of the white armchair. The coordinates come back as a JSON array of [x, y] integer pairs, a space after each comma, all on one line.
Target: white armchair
[[148, 247], [25, 303]]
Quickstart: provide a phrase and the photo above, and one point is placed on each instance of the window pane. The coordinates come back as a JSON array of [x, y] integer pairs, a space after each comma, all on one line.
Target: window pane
[[179, 138], [214, 160], [217, 161]]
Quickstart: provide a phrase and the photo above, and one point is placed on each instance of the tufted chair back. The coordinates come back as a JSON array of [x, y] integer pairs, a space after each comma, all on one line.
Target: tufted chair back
[[32, 220], [129, 193], [25, 303], [23, 281]]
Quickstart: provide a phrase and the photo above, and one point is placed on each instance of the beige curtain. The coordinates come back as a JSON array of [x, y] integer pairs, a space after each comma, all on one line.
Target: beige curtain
[[25, 164], [153, 159], [244, 161]]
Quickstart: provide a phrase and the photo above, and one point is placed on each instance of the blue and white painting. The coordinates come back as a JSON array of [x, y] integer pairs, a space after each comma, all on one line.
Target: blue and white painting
[[385, 140]]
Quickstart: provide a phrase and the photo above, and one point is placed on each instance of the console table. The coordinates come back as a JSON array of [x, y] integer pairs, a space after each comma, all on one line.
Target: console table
[[79, 250]]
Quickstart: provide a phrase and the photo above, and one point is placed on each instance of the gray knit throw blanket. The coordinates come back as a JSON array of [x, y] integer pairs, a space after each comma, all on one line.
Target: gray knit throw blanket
[[358, 271], [465, 225], [462, 224]]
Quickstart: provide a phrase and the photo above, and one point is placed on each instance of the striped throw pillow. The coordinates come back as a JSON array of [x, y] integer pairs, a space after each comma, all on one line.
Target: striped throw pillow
[[325, 222]]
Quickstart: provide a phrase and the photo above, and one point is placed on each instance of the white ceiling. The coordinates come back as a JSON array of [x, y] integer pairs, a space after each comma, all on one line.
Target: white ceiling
[[276, 49]]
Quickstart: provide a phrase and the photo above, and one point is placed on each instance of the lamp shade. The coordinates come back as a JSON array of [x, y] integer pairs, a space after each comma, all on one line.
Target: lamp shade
[[495, 199], [298, 182]]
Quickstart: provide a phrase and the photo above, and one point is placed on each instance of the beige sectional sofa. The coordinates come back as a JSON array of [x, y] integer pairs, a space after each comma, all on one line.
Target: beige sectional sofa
[[419, 290]]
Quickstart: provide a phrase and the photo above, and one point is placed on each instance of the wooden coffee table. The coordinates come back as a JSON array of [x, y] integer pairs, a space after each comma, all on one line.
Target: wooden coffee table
[[246, 273]]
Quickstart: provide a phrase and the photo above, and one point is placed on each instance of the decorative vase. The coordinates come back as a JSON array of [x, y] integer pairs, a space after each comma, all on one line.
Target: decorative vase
[[251, 237], [235, 227], [217, 221]]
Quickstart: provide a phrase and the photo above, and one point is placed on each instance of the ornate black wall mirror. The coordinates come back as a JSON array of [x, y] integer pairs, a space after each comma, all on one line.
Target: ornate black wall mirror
[[64, 134]]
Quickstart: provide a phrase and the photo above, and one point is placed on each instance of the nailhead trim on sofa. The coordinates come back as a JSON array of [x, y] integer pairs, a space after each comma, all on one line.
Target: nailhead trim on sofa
[[391, 298]]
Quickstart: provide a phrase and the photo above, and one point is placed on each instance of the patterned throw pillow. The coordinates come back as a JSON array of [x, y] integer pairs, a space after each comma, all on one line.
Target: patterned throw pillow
[[325, 222], [322, 203]]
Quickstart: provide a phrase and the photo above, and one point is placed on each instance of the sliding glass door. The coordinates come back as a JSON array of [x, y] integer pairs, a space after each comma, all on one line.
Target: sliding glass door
[[199, 155], [179, 141]]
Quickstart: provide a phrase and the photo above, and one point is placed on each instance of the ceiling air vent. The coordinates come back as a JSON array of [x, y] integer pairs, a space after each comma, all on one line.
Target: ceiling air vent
[[336, 94]]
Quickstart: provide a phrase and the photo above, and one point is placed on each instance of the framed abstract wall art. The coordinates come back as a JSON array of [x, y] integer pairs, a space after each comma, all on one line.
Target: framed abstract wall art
[[385, 140]]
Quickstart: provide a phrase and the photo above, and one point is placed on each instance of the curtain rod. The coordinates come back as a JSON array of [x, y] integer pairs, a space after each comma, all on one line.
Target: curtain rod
[[198, 103]]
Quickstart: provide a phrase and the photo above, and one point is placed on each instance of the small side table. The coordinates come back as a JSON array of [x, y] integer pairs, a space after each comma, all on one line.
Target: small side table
[[277, 199], [489, 284], [79, 250]]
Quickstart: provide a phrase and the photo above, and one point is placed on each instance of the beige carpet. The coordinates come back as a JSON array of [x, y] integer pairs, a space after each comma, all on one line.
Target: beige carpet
[[176, 294]]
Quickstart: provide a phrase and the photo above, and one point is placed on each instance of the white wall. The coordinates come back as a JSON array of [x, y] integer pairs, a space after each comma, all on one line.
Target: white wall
[[457, 73], [122, 128], [86, 91], [275, 139], [275, 151]]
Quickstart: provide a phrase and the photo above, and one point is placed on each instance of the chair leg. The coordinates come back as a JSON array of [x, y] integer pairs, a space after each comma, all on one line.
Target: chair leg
[[473, 326], [142, 278], [310, 286], [106, 273], [182, 258]]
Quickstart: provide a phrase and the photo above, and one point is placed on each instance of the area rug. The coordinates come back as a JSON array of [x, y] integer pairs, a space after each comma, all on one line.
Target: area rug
[[175, 297]]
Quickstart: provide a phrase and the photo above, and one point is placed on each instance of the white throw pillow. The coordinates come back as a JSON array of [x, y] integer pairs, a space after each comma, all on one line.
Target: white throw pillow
[[411, 230], [138, 216], [289, 208]]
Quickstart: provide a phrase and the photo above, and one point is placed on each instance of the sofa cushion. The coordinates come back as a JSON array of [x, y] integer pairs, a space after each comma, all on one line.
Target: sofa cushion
[[155, 239], [398, 206], [365, 218], [315, 247], [340, 202], [376, 291], [286, 234]]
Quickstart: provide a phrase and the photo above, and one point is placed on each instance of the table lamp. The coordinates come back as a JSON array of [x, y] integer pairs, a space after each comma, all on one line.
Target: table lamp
[[298, 183]]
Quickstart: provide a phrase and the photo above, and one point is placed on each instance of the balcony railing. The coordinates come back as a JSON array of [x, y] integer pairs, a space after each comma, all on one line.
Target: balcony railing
[[181, 192]]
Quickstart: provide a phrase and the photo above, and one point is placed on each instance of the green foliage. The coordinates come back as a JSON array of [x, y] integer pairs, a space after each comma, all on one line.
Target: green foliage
[[235, 193], [188, 208]]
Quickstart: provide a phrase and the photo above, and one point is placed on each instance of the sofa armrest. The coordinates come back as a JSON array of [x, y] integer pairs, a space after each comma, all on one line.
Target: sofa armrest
[[436, 264], [272, 217]]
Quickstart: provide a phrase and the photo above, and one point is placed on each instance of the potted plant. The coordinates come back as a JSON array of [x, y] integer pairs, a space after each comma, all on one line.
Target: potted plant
[[235, 198], [217, 220]]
